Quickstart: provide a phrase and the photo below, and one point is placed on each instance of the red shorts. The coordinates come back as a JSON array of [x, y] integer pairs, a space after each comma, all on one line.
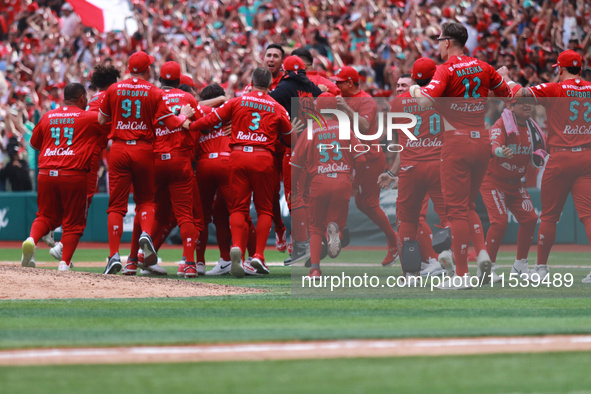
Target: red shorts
[[213, 176], [174, 188], [329, 202], [252, 173], [464, 164], [566, 172], [500, 197], [130, 164], [61, 200], [416, 183], [368, 195]]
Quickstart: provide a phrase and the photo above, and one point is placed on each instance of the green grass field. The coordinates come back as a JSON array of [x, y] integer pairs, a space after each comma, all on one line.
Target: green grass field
[[276, 316]]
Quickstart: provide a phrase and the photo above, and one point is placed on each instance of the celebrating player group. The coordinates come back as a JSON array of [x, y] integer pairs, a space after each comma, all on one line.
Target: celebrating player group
[[192, 160]]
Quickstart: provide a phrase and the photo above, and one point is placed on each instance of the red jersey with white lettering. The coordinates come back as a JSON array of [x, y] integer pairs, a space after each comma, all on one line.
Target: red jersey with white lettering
[[569, 117], [428, 131], [510, 170], [320, 156], [94, 104], [66, 138], [177, 139], [318, 80], [256, 118], [133, 106], [469, 81], [367, 108], [215, 141]]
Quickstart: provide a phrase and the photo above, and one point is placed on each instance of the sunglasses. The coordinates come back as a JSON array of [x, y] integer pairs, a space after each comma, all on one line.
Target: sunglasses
[[444, 38]]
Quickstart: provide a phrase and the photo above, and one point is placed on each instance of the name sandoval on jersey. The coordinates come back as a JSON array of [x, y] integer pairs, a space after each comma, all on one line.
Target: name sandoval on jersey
[[250, 136], [257, 103], [59, 152], [121, 125]]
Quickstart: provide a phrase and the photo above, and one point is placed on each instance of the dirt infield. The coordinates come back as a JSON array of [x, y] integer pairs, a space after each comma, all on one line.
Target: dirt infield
[[28, 283], [298, 350]]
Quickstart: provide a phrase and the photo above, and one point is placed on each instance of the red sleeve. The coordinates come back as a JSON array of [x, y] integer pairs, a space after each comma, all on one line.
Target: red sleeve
[[299, 154], [438, 84], [498, 84], [545, 90], [284, 126], [497, 135], [223, 113], [37, 138], [105, 108]]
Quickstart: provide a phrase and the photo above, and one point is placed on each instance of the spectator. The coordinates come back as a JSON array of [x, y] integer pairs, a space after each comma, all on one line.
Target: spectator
[[16, 171]]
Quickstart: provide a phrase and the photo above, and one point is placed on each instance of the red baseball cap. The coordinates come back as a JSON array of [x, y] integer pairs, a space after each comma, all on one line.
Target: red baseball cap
[[346, 73], [569, 58], [187, 80], [424, 68], [139, 62], [293, 63], [326, 101], [170, 71]]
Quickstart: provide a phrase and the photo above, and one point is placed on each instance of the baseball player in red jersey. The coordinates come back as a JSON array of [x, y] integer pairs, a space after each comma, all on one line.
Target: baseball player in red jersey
[[329, 181], [466, 148], [173, 153], [516, 141], [314, 76], [257, 120], [132, 106], [367, 198], [65, 138], [272, 60], [213, 161], [568, 169], [419, 174], [102, 77]]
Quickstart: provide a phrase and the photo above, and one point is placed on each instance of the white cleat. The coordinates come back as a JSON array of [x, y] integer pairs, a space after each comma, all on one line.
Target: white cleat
[[446, 260], [57, 251], [64, 267], [432, 269], [521, 268], [28, 256], [153, 269], [49, 239], [334, 240], [147, 246], [221, 268], [456, 283], [249, 269], [200, 268], [540, 272], [236, 268], [494, 276], [484, 267], [587, 279]]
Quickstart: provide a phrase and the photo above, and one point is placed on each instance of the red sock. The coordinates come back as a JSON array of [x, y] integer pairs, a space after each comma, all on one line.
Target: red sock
[[525, 235], [115, 225], [494, 237], [202, 244], [546, 237], [146, 213], [476, 234], [188, 234], [264, 223], [407, 231], [135, 238], [38, 230], [378, 216], [315, 248], [237, 224], [425, 237], [277, 219], [70, 241], [460, 233], [299, 225], [224, 239], [162, 232], [251, 237]]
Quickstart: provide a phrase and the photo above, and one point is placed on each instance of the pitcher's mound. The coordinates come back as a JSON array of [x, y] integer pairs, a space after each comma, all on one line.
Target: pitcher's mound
[[20, 283]]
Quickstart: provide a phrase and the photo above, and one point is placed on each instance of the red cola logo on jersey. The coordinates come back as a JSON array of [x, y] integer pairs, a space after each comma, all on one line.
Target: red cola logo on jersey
[[468, 107], [424, 143], [334, 167], [59, 152], [131, 125], [250, 136]]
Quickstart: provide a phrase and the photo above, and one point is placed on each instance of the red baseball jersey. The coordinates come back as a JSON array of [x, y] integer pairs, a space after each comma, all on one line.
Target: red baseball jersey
[[428, 131], [94, 104], [177, 139], [367, 108], [469, 80], [66, 138], [256, 118], [320, 156], [513, 169], [215, 141], [318, 80], [569, 117], [133, 106]]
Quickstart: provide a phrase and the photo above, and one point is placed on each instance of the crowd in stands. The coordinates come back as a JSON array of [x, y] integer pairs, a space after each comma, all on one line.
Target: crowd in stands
[[43, 46]]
